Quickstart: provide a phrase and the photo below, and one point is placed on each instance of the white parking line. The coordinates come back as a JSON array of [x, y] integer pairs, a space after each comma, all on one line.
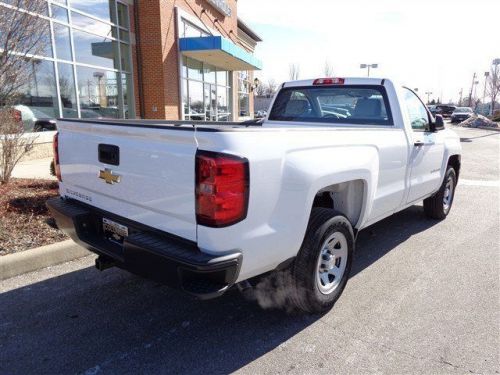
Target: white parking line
[[490, 183]]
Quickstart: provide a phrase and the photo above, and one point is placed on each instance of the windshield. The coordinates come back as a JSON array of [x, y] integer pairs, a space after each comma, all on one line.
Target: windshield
[[333, 104], [463, 110]]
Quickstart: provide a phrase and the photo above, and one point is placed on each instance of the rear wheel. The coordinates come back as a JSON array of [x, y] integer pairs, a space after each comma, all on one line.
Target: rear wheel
[[321, 269], [439, 205]]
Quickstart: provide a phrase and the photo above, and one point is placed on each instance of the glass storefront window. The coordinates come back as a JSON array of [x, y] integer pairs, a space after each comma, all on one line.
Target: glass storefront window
[[194, 69], [95, 50], [125, 55], [244, 94], [92, 25], [23, 4], [123, 19], [105, 90], [38, 98], [208, 73], [196, 108], [189, 30], [60, 13], [124, 35], [185, 97], [62, 40], [98, 93], [205, 92], [103, 9], [223, 111], [128, 98], [222, 78], [67, 90], [43, 44], [244, 105]]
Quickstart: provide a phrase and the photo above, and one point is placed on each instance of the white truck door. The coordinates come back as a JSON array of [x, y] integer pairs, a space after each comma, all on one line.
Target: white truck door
[[426, 156]]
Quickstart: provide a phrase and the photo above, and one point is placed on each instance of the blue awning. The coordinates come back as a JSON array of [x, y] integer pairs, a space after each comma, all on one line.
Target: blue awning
[[220, 52]]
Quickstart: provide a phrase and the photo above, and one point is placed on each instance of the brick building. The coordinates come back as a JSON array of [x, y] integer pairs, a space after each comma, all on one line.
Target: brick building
[[154, 59], [201, 52]]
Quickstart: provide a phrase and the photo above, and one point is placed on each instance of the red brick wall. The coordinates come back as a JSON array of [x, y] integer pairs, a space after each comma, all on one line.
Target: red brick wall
[[159, 61]]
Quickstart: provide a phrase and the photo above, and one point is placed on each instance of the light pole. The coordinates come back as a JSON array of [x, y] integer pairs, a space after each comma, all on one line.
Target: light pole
[[475, 95], [428, 93], [364, 66], [495, 63], [486, 75], [471, 89]]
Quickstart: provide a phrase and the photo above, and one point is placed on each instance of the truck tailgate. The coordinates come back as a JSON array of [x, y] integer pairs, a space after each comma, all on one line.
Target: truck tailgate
[[151, 180]]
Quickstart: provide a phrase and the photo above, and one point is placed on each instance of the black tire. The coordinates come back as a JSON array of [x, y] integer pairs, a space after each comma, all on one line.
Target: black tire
[[307, 295], [435, 206]]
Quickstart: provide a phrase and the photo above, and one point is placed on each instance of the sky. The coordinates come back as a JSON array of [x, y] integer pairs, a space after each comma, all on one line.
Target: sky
[[435, 46]]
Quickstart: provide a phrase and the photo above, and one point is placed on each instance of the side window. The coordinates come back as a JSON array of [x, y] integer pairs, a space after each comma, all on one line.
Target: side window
[[417, 112]]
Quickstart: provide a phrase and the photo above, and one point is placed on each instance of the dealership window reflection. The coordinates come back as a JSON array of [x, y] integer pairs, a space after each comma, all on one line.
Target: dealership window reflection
[[37, 99], [206, 91], [91, 50]]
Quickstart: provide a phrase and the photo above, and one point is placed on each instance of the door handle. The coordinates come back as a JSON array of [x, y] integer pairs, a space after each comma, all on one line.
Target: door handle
[[418, 144]]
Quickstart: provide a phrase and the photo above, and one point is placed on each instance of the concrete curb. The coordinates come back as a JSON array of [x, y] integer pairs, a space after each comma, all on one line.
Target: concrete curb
[[31, 260]]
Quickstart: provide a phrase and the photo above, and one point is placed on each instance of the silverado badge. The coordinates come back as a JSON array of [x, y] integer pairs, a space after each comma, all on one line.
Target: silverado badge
[[108, 176]]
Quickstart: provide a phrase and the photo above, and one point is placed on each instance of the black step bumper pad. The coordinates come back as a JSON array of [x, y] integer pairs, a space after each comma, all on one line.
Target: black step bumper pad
[[156, 255]]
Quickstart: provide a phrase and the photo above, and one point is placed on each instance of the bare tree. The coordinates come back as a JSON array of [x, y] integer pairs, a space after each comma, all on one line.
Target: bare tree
[[494, 85], [272, 86], [22, 35], [328, 69], [294, 72], [261, 89]]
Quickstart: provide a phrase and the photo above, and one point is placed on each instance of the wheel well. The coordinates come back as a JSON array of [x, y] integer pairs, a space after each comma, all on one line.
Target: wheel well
[[345, 197], [454, 161]]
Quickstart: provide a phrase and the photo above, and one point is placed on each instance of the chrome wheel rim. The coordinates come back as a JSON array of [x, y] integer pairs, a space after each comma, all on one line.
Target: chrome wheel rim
[[331, 263], [448, 194]]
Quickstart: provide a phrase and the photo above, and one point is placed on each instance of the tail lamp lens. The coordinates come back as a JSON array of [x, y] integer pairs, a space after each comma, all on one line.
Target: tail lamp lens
[[222, 183], [18, 117], [57, 166]]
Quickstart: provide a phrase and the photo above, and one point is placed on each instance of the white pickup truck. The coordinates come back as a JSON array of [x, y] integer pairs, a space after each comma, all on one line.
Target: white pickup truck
[[205, 206]]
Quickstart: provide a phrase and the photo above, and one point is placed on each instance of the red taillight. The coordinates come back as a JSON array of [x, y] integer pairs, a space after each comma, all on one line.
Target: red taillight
[[222, 183], [328, 81], [18, 117], [57, 166]]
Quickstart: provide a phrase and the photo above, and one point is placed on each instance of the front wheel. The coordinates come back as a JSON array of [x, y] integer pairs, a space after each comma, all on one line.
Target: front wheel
[[439, 205], [321, 269]]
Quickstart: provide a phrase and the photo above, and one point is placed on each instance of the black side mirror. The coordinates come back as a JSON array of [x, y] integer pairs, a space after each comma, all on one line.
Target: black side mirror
[[438, 124]]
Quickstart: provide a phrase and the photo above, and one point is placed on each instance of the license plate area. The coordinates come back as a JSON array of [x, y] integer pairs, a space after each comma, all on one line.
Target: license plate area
[[114, 231]]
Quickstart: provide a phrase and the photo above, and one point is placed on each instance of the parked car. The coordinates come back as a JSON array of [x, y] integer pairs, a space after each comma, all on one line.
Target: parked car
[[461, 114], [433, 110], [205, 206], [260, 114], [445, 110], [36, 119], [84, 113]]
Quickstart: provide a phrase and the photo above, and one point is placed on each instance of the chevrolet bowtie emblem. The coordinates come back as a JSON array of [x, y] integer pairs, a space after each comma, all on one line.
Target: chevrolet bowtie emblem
[[108, 176]]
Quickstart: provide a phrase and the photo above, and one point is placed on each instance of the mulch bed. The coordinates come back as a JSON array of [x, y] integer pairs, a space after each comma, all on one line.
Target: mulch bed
[[25, 222]]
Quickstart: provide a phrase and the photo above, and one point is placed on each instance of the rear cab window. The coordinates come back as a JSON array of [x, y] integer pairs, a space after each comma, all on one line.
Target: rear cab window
[[351, 104]]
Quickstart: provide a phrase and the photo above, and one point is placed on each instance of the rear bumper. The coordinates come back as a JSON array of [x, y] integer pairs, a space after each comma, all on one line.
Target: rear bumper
[[147, 252]]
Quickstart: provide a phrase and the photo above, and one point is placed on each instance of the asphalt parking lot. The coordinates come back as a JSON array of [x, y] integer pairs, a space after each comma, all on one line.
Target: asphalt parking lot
[[423, 297]]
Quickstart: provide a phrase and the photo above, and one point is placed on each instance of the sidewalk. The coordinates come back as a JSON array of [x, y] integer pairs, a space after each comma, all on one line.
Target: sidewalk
[[39, 169]]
